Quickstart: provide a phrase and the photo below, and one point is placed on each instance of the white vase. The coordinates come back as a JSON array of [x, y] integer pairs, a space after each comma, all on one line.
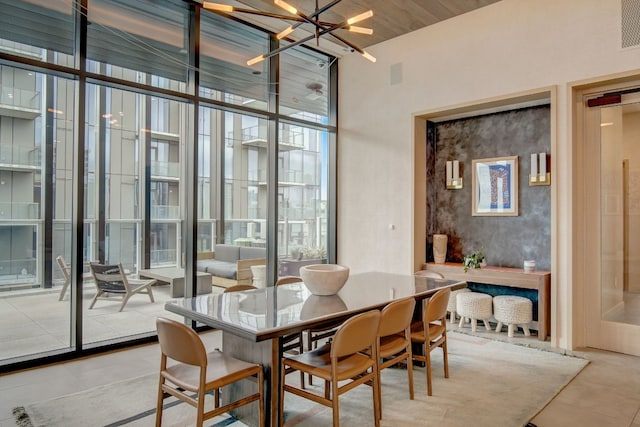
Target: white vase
[[439, 248]]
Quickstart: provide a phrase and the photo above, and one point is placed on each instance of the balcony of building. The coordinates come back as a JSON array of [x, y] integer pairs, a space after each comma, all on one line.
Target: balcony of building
[[256, 136], [19, 158], [19, 103], [165, 171], [165, 212], [17, 274], [12, 211], [286, 178]]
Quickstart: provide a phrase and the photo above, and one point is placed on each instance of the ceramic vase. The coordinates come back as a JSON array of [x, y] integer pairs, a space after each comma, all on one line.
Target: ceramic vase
[[439, 248]]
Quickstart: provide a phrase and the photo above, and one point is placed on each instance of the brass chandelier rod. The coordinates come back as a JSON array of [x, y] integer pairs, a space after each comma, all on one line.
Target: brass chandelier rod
[[321, 28]]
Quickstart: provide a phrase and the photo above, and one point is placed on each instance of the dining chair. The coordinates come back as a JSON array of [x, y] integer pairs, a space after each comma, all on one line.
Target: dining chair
[[293, 342], [313, 335], [347, 362], [283, 280], [431, 332], [199, 372], [238, 288], [394, 338], [112, 279]]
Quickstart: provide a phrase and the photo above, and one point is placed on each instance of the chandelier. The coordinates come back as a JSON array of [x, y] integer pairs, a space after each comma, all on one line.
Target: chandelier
[[321, 28]]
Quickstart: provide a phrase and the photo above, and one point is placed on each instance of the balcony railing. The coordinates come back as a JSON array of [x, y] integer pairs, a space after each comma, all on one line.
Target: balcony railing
[[286, 176], [17, 271], [253, 134], [166, 169], [19, 98], [165, 212], [163, 257], [22, 211], [19, 155]]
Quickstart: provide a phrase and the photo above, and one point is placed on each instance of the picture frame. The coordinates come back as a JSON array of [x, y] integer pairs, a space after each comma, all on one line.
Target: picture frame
[[495, 186]]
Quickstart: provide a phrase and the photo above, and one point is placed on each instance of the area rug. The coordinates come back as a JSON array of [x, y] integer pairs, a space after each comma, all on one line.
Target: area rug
[[491, 384]]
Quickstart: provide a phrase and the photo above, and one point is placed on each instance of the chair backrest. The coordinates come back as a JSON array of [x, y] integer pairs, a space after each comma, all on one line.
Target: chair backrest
[[427, 273], [238, 288], [436, 307], [109, 277], [356, 334], [288, 279], [180, 343], [66, 271], [396, 317]]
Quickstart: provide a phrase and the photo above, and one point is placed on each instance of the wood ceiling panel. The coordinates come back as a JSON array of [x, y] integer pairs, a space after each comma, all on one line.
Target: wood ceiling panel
[[392, 18]]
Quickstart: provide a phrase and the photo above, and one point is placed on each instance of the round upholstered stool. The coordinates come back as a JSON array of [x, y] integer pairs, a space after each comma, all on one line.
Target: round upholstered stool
[[512, 311], [474, 306], [453, 303]]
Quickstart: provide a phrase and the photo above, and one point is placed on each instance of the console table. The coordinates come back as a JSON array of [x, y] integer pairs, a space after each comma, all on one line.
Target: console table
[[505, 276]]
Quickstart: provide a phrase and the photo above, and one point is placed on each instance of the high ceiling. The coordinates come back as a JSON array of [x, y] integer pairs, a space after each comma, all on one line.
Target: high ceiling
[[391, 18]]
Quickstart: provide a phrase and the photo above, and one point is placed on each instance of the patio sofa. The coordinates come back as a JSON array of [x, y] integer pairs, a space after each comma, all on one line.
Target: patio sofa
[[230, 265]]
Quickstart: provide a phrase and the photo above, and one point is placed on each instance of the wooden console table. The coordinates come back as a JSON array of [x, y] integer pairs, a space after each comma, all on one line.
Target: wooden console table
[[505, 276]]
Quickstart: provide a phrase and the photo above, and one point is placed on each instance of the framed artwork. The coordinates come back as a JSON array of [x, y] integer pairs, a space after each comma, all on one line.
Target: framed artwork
[[495, 186]]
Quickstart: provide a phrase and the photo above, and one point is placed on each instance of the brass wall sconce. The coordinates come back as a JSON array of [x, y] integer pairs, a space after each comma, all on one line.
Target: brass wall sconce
[[454, 178], [539, 174]]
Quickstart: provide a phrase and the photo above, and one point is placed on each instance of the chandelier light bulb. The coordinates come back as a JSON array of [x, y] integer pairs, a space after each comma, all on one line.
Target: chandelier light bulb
[[286, 6], [361, 17]]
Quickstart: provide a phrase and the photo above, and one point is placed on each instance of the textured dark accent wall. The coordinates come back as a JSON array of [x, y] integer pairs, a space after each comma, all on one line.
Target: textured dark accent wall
[[506, 241]]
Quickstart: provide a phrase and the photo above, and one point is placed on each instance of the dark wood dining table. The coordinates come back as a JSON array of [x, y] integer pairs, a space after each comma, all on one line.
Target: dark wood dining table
[[254, 322]]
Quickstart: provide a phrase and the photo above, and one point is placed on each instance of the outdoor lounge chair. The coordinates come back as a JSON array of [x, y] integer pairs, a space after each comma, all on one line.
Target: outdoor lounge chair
[[66, 273], [111, 279]]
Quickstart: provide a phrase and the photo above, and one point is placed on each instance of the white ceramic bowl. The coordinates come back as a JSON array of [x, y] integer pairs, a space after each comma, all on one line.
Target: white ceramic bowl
[[324, 279]]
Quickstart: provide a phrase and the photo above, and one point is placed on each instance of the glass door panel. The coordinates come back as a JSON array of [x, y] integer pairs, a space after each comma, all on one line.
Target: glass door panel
[[612, 214]]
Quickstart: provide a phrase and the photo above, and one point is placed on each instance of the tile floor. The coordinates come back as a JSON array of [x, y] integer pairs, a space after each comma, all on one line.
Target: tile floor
[[606, 393]]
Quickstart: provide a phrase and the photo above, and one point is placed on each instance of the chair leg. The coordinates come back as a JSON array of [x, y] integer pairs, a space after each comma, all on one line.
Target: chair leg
[[150, 292], [159, 403], [282, 393], [445, 357], [63, 290], [499, 327], [410, 375], [461, 321], [93, 301], [335, 400], [261, 392], [200, 409], [427, 349], [125, 298], [377, 397], [525, 329]]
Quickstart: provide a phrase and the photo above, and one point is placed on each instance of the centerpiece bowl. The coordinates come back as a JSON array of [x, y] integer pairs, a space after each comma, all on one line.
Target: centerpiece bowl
[[324, 279]]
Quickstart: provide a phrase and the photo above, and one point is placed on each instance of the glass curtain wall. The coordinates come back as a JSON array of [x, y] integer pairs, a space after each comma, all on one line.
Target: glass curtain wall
[[141, 113]]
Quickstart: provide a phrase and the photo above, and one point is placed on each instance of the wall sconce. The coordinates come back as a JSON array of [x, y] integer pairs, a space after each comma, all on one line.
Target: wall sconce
[[539, 174], [454, 180]]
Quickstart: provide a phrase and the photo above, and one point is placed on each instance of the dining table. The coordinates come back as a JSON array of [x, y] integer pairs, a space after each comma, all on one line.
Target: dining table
[[255, 322]]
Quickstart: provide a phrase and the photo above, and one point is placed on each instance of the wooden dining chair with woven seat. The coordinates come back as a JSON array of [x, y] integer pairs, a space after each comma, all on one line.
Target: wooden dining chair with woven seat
[[394, 337], [199, 372], [431, 332], [348, 361]]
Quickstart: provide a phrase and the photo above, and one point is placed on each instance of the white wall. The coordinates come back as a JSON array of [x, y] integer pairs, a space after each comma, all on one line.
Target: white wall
[[508, 47]]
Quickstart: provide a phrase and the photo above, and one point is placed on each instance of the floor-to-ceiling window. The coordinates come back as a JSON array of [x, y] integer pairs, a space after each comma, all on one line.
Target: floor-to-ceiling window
[[150, 126]]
